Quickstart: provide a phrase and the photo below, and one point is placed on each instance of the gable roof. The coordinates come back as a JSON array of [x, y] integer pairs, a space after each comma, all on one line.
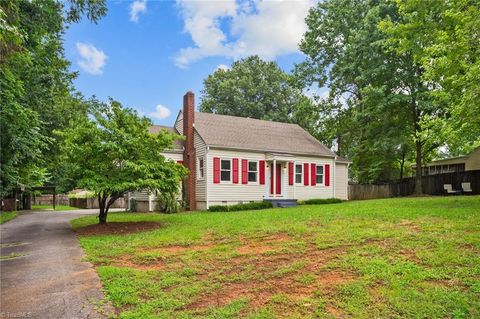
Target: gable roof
[[456, 159], [251, 134], [154, 129]]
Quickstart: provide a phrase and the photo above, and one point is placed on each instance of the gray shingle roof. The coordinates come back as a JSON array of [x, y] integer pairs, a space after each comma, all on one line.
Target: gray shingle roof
[[252, 134], [177, 145]]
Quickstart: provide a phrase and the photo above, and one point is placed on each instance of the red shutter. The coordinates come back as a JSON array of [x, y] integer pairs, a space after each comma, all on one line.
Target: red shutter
[[262, 172], [305, 174], [216, 170], [235, 170], [290, 173], [244, 171], [327, 174], [313, 167]]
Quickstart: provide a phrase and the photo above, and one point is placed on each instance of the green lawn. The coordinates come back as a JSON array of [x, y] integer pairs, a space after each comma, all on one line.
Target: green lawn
[[50, 207], [392, 258], [6, 216]]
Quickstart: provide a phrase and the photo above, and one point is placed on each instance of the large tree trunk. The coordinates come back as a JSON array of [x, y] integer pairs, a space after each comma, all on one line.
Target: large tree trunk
[[418, 148], [102, 216], [105, 206], [402, 161], [418, 169]]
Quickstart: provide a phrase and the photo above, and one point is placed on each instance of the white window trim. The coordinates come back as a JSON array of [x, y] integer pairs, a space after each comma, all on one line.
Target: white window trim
[[316, 173], [200, 178], [231, 171], [257, 181], [295, 173]]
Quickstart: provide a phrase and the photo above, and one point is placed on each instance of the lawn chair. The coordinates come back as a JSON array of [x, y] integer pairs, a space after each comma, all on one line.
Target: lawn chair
[[467, 188], [448, 189]]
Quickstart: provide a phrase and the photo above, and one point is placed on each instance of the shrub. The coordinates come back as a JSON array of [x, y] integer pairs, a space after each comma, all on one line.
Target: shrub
[[238, 207], [168, 202], [320, 201], [218, 208]]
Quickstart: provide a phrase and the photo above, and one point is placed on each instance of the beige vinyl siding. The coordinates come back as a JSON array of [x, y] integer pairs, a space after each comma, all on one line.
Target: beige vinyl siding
[[200, 151], [473, 161], [174, 156], [179, 124], [300, 191], [141, 195], [341, 179], [145, 196], [227, 192]]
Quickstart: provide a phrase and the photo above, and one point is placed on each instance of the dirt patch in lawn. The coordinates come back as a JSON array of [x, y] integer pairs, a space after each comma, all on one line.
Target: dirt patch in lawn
[[409, 225], [263, 244], [272, 275], [117, 228]]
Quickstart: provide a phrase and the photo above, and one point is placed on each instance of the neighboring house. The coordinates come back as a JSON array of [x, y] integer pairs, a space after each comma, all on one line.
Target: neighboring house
[[239, 160], [463, 163]]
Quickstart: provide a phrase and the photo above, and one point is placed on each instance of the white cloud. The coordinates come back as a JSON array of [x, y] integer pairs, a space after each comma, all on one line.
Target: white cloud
[[161, 112], [266, 28], [137, 7], [92, 60], [222, 67]]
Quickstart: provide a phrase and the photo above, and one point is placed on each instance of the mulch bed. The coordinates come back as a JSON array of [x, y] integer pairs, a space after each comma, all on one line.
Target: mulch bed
[[117, 228]]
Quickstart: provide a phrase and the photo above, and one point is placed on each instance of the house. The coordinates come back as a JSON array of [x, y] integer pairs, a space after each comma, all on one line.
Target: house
[[235, 160], [469, 162]]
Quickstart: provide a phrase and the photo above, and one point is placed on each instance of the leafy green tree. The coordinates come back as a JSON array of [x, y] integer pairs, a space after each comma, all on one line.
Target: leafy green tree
[[112, 152], [442, 37], [377, 99], [37, 94], [257, 89]]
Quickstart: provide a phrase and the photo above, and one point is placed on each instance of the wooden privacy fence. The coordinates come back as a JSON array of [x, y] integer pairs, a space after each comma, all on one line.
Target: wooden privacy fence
[[93, 203], [47, 199], [432, 185]]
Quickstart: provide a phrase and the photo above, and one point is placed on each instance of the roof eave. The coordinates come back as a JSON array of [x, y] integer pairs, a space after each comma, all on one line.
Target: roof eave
[[268, 150]]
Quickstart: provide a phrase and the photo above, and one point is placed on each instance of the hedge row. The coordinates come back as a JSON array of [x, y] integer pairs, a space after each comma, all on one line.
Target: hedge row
[[233, 208], [321, 201]]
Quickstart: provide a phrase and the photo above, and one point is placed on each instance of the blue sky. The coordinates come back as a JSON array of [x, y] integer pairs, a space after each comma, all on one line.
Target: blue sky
[[147, 54]]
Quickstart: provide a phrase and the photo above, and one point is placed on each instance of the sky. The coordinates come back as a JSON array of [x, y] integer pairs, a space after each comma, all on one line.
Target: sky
[[148, 54]]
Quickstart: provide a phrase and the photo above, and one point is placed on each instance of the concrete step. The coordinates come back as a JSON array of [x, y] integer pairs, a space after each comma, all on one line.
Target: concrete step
[[283, 203]]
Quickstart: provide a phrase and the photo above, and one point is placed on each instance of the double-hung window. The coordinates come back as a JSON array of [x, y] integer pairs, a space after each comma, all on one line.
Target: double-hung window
[[298, 173], [252, 171], [201, 164], [319, 175], [225, 170]]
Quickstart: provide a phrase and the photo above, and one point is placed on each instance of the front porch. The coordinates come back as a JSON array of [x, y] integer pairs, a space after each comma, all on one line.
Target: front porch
[[277, 172]]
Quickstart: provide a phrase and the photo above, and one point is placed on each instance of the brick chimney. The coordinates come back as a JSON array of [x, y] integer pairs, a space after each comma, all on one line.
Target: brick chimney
[[189, 158]]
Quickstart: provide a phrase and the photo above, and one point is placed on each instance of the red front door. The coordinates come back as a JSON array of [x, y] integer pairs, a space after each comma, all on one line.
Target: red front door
[[278, 179]]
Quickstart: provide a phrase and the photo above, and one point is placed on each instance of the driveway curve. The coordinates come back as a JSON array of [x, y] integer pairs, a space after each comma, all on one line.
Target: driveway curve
[[42, 273]]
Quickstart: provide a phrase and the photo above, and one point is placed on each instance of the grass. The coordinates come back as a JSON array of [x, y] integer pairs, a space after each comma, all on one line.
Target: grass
[[50, 207], [12, 256], [6, 216], [391, 258]]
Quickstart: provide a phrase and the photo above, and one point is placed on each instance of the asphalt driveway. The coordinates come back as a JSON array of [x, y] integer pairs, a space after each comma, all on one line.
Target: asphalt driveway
[[43, 275]]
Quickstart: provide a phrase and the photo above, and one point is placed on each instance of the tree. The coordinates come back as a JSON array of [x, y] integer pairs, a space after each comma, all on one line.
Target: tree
[[112, 152], [377, 96], [257, 89], [36, 90], [442, 37]]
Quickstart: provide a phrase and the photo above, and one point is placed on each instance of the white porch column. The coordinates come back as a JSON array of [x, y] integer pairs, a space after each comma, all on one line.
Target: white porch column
[[274, 173]]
